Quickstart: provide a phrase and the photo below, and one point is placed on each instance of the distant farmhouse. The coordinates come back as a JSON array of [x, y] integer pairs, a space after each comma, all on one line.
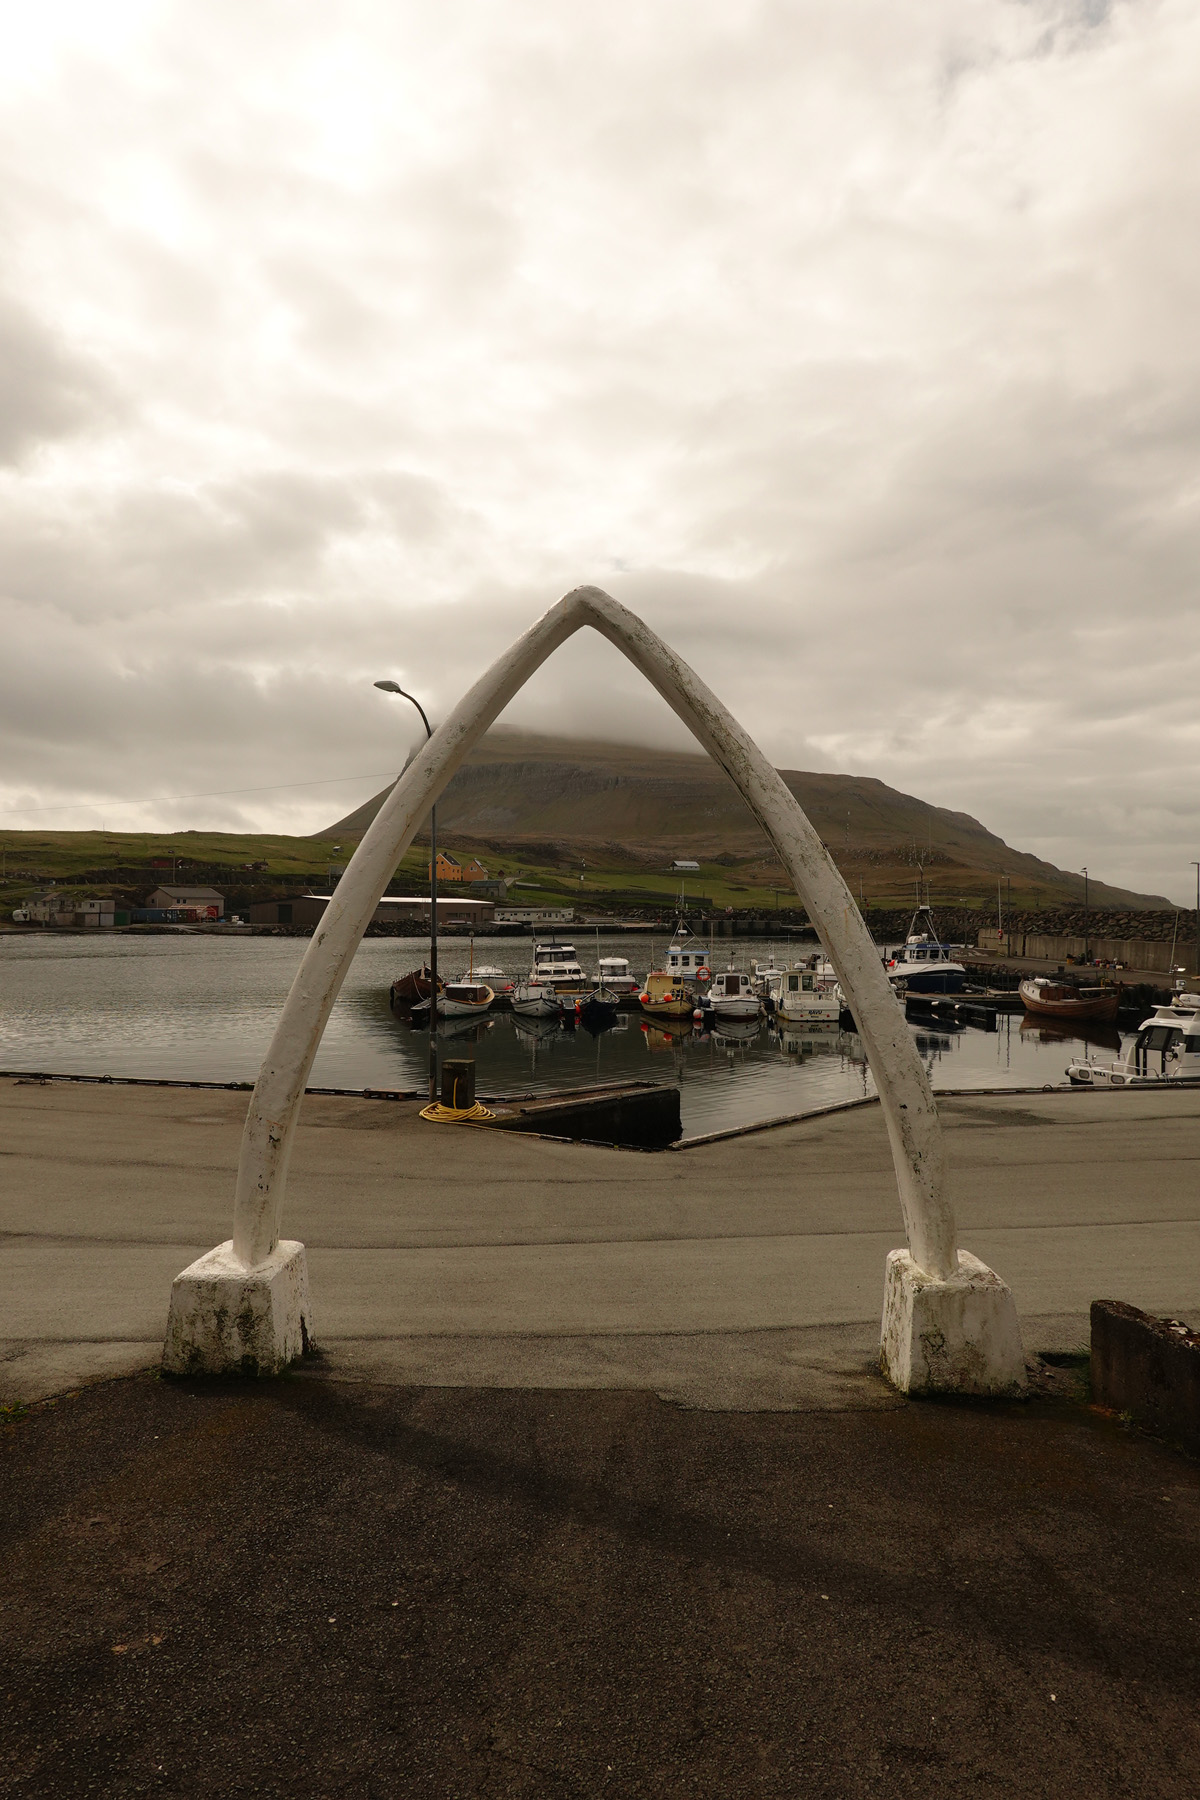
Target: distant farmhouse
[[450, 869]]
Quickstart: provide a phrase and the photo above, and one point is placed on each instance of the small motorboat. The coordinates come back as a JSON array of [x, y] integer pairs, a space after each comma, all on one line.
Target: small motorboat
[[557, 968], [614, 978], [1066, 1000], [412, 990], [1166, 1048], [464, 999], [597, 1011], [810, 994], [536, 1000], [665, 997], [732, 995], [500, 983]]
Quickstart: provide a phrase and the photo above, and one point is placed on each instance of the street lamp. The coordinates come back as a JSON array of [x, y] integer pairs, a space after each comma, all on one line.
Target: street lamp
[[1087, 948], [393, 687], [1196, 866]]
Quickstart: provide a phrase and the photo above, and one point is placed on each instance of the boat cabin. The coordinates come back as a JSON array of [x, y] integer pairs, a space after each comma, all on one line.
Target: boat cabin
[[615, 976], [557, 966], [1168, 1044], [732, 984], [685, 961]]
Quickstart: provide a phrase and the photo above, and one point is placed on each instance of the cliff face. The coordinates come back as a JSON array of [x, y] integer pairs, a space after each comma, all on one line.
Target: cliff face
[[620, 801]]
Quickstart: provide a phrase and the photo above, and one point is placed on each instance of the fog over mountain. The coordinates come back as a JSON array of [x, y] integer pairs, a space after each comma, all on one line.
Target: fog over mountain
[[853, 346]]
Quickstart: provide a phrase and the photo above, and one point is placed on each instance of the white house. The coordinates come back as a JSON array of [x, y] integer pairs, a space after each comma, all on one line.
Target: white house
[[54, 907], [197, 899]]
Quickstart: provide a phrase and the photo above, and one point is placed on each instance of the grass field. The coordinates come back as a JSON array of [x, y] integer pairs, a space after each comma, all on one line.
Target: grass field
[[103, 861]]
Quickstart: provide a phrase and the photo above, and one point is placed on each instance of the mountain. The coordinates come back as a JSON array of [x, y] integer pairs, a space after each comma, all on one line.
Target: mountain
[[558, 799]]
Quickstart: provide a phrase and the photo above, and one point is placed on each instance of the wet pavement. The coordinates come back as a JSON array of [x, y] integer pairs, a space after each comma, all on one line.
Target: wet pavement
[[313, 1587]]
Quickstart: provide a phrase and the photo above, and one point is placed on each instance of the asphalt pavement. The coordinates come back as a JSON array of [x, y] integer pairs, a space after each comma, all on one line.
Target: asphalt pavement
[[320, 1588], [745, 1273]]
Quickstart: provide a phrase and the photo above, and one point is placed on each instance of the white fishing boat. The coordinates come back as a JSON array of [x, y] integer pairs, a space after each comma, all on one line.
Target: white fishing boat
[[556, 982], [810, 994], [687, 961], [1166, 1047], [462, 999], [922, 964], [732, 995], [615, 979]]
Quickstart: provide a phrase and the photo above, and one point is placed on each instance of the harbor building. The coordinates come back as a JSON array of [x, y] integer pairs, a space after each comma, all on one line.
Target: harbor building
[[206, 902]]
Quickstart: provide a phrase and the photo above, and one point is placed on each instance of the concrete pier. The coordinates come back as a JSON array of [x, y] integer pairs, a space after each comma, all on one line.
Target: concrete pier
[[744, 1273]]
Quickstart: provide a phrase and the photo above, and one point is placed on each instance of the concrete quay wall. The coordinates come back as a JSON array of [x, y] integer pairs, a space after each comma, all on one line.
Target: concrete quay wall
[[1135, 953]]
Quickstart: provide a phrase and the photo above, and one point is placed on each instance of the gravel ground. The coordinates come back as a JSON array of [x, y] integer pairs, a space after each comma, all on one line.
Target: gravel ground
[[322, 1588]]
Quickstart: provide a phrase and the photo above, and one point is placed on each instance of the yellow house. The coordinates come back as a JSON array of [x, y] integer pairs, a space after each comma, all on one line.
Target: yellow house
[[450, 869]]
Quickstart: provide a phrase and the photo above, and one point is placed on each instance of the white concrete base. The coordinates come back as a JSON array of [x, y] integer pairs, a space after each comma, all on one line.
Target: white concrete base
[[226, 1319], [958, 1336]]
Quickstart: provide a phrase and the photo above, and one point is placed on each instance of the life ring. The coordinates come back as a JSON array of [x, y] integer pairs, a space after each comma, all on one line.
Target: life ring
[[703, 974]]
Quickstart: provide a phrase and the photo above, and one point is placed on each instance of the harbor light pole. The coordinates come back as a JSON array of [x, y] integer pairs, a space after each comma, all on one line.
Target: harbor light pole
[[393, 687], [1087, 944], [1196, 866]]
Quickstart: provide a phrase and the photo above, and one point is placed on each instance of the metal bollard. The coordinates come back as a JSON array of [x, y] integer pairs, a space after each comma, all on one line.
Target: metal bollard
[[458, 1083]]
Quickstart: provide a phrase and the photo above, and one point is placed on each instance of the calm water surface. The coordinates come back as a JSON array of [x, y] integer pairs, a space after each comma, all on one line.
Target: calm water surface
[[204, 1007]]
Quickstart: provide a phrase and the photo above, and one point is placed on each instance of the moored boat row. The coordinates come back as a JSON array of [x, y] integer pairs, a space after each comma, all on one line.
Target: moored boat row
[[805, 992]]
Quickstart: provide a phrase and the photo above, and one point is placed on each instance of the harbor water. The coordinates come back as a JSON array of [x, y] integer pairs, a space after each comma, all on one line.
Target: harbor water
[[202, 1008]]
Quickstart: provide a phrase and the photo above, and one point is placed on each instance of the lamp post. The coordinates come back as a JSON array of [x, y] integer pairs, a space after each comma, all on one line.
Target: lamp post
[[393, 687], [1087, 947], [1196, 866]]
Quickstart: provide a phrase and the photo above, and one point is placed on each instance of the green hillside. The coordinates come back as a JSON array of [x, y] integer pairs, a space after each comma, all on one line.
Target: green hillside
[[574, 802]]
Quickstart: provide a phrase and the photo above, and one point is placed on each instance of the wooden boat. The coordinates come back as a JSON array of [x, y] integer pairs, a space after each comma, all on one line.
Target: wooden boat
[[1063, 1000], [665, 997], [536, 1000], [597, 1011], [413, 989], [464, 999]]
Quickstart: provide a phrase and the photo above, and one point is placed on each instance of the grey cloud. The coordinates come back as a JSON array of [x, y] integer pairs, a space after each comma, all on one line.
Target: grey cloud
[[47, 392], [853, 345]]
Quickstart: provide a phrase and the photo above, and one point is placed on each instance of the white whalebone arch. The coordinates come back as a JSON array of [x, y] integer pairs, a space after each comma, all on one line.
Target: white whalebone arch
[[907, 1102]]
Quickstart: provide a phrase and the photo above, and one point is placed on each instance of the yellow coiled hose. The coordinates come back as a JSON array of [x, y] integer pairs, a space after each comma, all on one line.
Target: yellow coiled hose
[[455, 1115]]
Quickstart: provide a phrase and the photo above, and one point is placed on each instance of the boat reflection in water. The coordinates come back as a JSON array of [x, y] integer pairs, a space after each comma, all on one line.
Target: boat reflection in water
[[735, 1031], [1061, 1031]]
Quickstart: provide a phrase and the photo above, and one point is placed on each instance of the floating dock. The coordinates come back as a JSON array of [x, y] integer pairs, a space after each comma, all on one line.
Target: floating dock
[[640, 1115]]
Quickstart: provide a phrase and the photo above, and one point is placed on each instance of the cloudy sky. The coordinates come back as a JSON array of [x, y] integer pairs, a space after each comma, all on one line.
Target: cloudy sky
[[854, 344]]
